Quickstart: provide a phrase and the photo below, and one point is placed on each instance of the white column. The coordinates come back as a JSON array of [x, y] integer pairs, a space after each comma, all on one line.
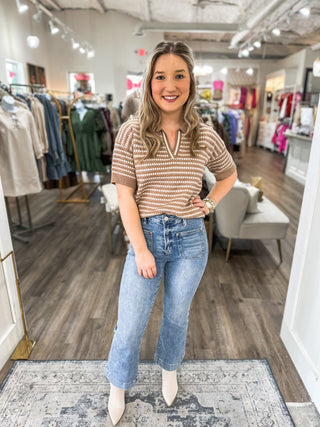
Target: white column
[[300, 330]]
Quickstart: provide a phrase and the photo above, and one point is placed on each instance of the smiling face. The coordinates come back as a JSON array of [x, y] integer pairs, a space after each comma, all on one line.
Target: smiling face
[[170, 83]]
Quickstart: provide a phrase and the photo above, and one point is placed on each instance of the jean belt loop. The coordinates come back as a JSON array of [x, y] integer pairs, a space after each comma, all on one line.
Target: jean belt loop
[[185, 222], [143, 221]]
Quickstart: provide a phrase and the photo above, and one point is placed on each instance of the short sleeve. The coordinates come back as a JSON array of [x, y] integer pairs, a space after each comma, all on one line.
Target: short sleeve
[[220, 162], [123, 168]]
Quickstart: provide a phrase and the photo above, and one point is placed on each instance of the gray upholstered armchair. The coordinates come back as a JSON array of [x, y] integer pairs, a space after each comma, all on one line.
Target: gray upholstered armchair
[[238, 217]]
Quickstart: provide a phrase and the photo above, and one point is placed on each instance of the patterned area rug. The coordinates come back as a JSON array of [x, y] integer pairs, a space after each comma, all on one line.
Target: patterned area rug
[[75, 393]]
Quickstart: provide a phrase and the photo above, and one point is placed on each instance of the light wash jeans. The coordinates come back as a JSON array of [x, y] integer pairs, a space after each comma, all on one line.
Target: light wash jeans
[[180, 249]]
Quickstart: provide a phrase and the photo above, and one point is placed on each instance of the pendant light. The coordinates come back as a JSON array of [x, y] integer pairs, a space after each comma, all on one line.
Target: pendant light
[[33, 42]]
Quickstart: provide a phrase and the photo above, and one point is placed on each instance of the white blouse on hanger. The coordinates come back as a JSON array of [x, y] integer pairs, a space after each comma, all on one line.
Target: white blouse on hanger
[[19, 144]]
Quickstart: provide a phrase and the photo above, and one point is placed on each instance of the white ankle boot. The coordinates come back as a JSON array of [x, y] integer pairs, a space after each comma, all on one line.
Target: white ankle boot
[[116, 404], [169, 386]]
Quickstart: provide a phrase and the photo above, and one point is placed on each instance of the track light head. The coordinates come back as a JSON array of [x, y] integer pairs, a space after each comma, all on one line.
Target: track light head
[[53, 27], [37, 16], [21, 6], [75, 44]]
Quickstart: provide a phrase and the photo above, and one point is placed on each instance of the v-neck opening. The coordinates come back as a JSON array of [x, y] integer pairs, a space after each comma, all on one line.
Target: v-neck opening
[[172, 152]]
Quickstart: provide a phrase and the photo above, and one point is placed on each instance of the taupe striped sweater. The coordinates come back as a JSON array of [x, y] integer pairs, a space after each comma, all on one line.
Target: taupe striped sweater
[[168, 183]]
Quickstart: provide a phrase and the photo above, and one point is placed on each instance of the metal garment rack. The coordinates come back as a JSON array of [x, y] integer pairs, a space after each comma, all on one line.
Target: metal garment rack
[[23, 228], [85, 196], [68, 199], [30, 227], [33, 87]]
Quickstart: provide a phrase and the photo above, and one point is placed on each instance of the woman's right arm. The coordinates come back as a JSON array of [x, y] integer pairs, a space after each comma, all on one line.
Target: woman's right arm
[[129, 212]]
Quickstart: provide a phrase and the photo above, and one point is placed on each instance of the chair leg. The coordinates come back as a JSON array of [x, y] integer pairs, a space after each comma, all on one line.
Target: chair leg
[[109, 231], [279, 248], [228, 250]]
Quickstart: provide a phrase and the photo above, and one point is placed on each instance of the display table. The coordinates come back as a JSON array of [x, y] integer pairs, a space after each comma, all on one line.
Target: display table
[[266, 131], [299, 147]]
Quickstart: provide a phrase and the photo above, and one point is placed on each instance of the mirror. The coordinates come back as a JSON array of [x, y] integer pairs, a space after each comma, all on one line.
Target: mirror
[[311, 88]]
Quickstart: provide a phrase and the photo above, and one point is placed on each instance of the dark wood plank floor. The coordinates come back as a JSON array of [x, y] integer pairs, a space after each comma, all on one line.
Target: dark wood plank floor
[[70, 284]]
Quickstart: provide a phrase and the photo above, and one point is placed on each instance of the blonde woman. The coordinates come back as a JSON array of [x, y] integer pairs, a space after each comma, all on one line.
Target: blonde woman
[[158, 164]]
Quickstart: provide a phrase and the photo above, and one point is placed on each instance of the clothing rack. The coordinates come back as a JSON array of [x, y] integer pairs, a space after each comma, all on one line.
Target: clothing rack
[[248, 86], [85, 196], [30, 227], [33, 87], [81, 184], [24, 229]]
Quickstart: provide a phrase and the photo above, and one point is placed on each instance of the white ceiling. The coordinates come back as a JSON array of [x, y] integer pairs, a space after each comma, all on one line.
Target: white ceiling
[[218, 25]]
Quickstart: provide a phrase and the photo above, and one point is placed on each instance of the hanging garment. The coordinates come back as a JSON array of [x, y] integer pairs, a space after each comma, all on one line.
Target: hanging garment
[[220, 131], [19, 144], [57, 164], [37, 110], [279, 138], [243, 97], [227, 126], [234, 94], [218, 87], [88, 144]]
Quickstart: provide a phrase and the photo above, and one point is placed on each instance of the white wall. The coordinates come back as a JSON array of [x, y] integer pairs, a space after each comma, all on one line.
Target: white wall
[[300, 325], [311, 55], [14, 28], [297, 60], [111, 35]]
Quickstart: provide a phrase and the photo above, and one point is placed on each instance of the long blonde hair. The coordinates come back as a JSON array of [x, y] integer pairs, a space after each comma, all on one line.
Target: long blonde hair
[[150, 113]]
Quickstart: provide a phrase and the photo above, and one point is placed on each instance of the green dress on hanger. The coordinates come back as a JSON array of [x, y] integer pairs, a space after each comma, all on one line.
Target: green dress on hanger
[[88, 143]]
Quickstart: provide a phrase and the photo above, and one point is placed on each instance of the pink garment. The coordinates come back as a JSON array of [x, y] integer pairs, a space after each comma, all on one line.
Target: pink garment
[[218, 85], [243, 97], [279, 138]]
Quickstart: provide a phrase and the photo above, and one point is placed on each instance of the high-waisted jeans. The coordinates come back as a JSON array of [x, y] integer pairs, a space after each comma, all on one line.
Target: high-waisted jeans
[[180, 249]]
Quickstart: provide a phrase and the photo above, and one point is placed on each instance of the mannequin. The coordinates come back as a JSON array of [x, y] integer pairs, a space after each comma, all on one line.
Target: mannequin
[[81, 109], [7, 103]]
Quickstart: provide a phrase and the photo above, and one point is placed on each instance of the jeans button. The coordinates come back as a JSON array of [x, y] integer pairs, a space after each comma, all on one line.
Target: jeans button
[[165, 218]]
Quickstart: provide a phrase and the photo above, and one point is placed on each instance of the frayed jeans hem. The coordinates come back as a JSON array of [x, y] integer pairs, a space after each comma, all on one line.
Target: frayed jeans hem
[[119, 384], [167, 366]]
